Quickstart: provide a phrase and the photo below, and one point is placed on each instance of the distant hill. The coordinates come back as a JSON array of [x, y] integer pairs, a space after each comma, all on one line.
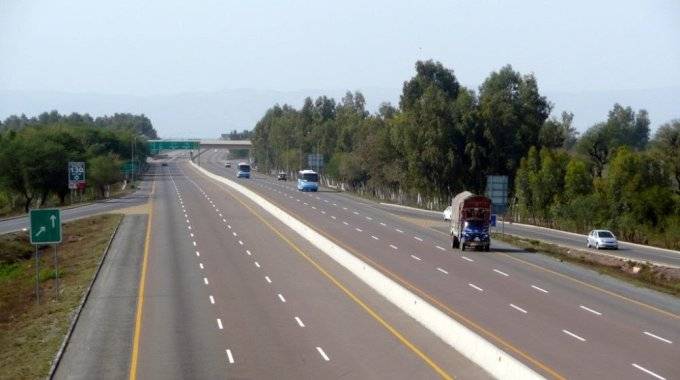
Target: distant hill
[[208, 114]]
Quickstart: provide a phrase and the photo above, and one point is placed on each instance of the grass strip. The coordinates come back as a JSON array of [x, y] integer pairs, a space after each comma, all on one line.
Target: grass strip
[[31, 334]]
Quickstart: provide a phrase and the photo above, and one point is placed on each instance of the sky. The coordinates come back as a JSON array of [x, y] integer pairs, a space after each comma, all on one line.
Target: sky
[[157, 48]]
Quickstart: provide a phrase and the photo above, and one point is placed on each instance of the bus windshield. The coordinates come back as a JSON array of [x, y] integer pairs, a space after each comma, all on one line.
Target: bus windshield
[[244, 168], [310, 177]]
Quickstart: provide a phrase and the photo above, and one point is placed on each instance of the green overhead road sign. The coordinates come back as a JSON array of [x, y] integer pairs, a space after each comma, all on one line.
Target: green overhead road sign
[[45, 226], [158, 145]]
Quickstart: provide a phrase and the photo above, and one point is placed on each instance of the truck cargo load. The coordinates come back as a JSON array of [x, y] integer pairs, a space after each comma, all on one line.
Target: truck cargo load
[[470, 220]]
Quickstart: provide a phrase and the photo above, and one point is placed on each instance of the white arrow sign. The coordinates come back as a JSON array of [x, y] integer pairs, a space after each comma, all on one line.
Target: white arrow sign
[[41, 230], [52, 218]]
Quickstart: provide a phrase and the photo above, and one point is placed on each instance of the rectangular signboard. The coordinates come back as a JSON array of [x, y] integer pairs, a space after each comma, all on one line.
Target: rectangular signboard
[[315, 160], [45, 226], [497, 191], [76, 174]]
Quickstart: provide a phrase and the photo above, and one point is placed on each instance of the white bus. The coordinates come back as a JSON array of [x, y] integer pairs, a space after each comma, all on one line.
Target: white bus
[[308, 180]]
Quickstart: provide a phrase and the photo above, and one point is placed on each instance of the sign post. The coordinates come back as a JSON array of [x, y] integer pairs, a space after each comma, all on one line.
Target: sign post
[[45, 228]]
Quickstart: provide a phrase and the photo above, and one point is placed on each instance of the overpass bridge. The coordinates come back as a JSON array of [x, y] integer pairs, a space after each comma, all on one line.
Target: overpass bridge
[[199, 145]]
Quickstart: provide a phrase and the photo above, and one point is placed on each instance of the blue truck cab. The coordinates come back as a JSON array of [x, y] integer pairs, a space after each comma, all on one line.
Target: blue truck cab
[[308, 180]]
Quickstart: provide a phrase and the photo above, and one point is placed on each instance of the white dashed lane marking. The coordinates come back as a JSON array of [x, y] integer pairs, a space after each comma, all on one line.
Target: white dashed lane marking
[[322, 353], [645, 370], [518, 308], [571, 334], [658, 337]]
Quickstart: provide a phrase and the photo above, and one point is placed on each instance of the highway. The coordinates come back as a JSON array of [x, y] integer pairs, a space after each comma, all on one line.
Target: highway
[[140, 196], [228, 292], [568, 239], [552, 320]]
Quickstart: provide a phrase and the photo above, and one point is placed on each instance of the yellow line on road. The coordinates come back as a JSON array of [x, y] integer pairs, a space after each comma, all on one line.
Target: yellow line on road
[[140, 295], [349, 293]]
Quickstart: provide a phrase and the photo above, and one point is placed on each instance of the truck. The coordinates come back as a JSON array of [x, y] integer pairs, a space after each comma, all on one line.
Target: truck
[[470, 221]]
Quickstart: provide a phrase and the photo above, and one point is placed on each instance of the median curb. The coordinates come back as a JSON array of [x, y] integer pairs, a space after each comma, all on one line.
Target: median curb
[[76, 316]]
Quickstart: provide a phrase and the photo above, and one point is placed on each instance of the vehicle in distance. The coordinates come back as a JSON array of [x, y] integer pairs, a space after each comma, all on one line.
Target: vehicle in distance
[[281, 176], [243, 170], [447, 213], [470, 219], [602, 239], [164, 164], [308, 180], [227, 165]]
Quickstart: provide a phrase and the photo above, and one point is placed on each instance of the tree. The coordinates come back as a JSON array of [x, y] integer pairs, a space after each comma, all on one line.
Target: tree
[[104, 171], [577, 179], [558, 133], [667, 147], [511, 112]]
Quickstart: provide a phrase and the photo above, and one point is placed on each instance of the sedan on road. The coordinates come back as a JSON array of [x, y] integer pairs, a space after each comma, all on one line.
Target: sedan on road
[[602, 239], [447, 213]]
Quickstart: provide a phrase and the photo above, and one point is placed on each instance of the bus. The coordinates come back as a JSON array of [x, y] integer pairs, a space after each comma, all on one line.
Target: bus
[[243, 170], [308, 180]]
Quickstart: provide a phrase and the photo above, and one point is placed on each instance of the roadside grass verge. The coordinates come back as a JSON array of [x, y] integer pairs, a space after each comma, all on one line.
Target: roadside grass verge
[[647, 275], [31, 334]]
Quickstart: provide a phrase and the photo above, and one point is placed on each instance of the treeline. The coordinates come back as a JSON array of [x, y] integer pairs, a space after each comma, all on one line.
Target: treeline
[[119, 121], [34, 154], [444, 138], [613, 178]]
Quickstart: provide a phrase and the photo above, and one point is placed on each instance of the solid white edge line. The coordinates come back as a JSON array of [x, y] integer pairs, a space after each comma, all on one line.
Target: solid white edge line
[[323, 354], [574, 335], [491, 358], [590, 310], [229, 356], [643, 369], [658, 337]]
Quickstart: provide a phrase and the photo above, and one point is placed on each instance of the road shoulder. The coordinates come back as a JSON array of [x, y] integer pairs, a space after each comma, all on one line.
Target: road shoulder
[[102, 338]]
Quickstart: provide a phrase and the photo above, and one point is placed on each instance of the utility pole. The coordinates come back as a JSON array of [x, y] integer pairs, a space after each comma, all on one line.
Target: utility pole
[[132, 160]]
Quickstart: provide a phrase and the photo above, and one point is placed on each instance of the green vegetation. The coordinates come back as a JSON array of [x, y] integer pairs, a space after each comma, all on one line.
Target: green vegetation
[[614, 179], [34, 154], [31, 334], [444, 138]]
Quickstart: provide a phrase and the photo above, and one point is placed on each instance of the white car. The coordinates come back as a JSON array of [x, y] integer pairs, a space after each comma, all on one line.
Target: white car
[[602, 239], [447, 213]]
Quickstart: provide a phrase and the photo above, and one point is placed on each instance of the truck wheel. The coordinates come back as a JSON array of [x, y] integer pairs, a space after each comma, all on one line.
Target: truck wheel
[[454, 242]]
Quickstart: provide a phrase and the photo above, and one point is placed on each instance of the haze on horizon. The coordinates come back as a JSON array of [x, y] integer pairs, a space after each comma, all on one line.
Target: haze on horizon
[[156, 49]]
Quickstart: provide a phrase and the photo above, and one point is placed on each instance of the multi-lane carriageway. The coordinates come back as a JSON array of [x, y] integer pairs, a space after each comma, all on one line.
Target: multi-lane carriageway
[[230, 291]]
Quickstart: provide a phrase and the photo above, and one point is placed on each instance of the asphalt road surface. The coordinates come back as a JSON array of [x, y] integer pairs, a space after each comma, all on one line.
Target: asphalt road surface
[[230, 293], [551, 319]]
